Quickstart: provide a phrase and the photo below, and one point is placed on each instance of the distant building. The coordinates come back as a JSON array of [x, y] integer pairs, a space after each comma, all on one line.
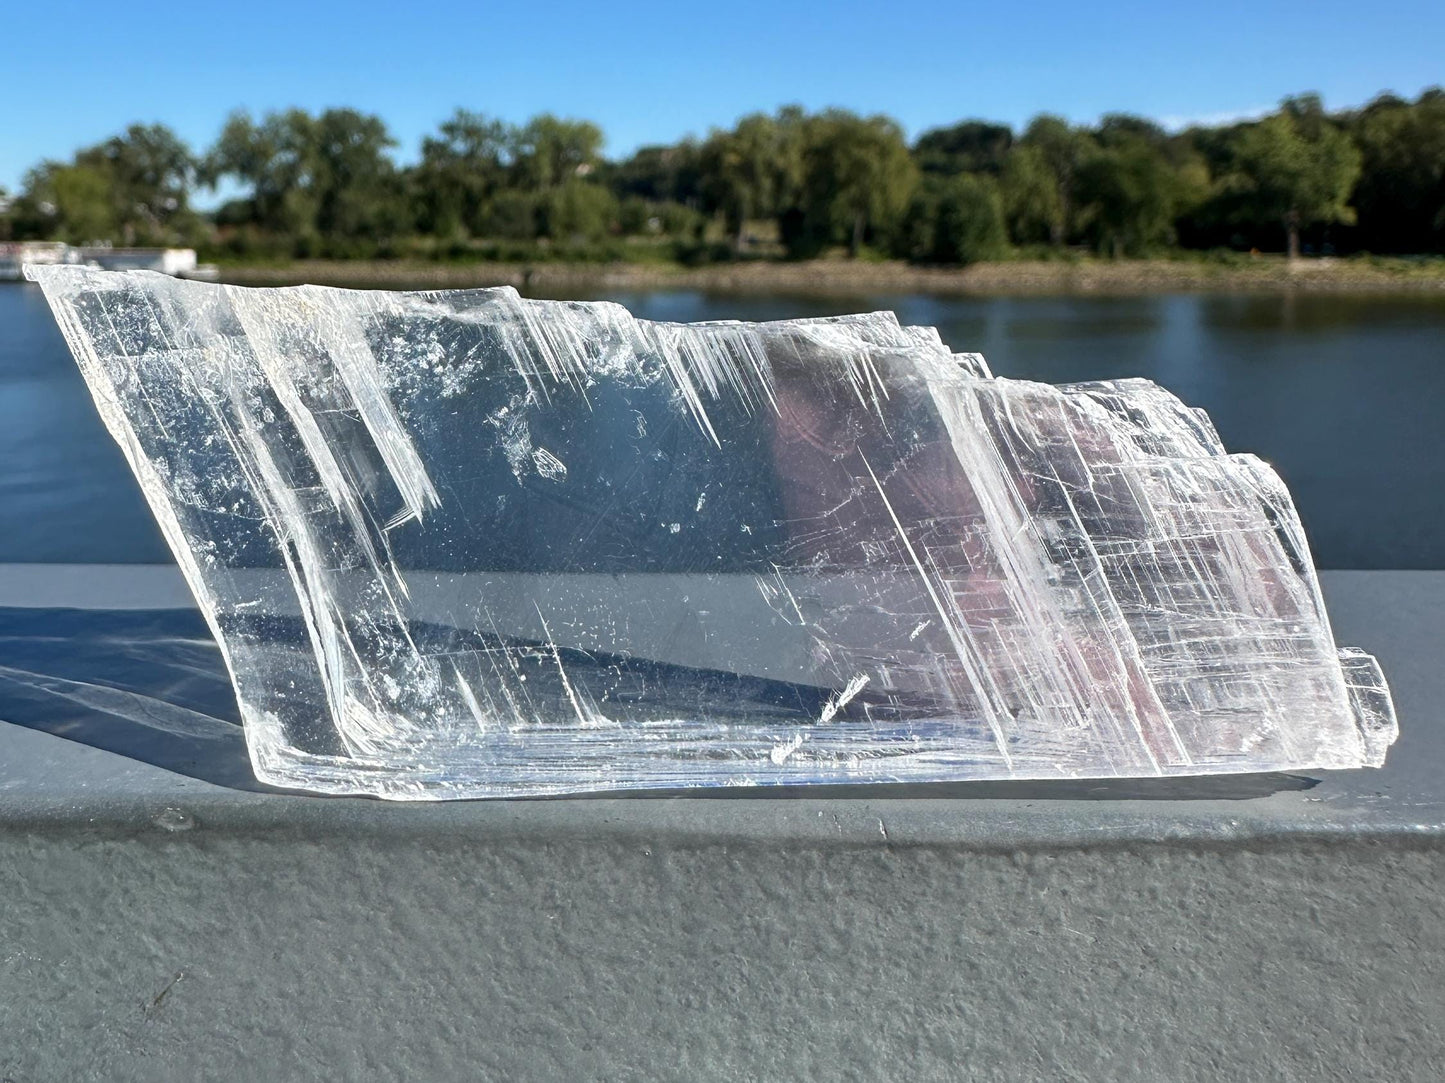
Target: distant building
[[14, 256], [180, 262]]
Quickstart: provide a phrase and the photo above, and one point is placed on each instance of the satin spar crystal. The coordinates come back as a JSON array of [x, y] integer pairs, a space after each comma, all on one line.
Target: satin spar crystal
[[463, 544]]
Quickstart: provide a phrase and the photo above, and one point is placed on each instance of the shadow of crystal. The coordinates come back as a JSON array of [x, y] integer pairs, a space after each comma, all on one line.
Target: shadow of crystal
[[146, 684], [1201, 788], [150, 685]]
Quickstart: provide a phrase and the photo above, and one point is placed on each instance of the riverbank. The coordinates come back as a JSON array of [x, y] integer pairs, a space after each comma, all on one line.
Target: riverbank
[[1265, 274]]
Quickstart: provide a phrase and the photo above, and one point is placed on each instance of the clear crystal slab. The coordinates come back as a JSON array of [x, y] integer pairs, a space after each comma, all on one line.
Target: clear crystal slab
[[461, 544]]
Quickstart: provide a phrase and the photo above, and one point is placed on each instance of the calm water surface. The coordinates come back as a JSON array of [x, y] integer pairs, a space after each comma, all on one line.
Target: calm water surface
[[1344, 395]]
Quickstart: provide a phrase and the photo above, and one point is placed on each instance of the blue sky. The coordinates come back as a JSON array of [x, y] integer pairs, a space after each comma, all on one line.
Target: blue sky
[[74, 73]]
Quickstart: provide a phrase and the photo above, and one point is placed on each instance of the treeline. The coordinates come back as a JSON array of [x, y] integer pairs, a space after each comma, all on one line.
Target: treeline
[[793, 184]]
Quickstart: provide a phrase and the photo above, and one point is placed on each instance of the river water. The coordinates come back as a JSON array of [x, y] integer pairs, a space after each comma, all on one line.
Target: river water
[[1345, 395]]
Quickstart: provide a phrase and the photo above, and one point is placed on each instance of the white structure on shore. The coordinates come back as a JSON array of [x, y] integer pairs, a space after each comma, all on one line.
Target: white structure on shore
[[180, 262]]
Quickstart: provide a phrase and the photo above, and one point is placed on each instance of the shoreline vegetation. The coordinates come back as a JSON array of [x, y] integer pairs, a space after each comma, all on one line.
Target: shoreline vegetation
[[842, 277], [831, 201]]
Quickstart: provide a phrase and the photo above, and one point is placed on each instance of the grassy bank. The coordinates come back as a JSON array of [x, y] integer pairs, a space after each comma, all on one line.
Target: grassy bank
[[1082, 275]]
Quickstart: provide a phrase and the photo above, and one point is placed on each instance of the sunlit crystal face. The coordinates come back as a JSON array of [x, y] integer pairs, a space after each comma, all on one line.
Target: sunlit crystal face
[[463, 544]]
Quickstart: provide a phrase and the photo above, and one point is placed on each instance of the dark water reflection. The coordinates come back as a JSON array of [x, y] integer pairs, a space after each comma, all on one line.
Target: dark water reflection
[[1342, 394]]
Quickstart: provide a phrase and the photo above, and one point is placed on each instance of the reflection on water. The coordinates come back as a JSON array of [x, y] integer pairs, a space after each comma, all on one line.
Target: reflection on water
[[1341, 393]]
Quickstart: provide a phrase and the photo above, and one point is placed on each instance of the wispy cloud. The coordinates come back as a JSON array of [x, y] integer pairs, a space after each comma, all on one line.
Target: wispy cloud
[[1177, 122]]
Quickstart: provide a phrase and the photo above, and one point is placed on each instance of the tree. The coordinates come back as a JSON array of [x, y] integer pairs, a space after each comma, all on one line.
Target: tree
[[957, 219], [549, 151], [149, 171], [133, 188], [356, 189], [461, 168], [971, 146], [579, 211], [72, 203], [1127, 197], [744, 171], [1400, 197], [327, 177], [1061, 149], [1033, 206], [1126, 130], [513, 215], [326, 183], [270, 157], [1298, 168], [661, 174], [857, 176]]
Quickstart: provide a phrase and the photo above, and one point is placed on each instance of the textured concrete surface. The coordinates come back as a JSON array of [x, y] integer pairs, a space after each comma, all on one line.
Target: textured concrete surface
[[156, 925], [285, 955]]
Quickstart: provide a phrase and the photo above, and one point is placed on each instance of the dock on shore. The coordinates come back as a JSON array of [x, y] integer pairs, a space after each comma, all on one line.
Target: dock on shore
[[180, 262]]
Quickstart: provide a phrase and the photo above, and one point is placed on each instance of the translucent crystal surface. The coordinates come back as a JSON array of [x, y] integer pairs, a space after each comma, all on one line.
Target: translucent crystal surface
[[460, 544]]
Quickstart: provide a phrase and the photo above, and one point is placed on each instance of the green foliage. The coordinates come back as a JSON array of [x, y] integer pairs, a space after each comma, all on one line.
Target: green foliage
[[972, 146], [635, 217], [698, 253], [1117, 130], [679, 220], [957, 219], [69, 203], [547, 152], [131, 189], [326, 184], [661, 174], [579, 211], [150, 172], [1400, 198], [1127, 196], [514, 216], [970, 221], [1033, 205], [326, 181], [746, 172], [461, 168], [857, 175], [1061, 149], [1297, 167]]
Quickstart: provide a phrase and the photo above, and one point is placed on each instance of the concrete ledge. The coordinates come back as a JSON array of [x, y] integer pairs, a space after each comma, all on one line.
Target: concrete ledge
[[179, 923], [45, 779]]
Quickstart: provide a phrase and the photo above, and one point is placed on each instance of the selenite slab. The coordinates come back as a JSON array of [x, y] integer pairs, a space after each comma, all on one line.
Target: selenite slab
[[462, 544]]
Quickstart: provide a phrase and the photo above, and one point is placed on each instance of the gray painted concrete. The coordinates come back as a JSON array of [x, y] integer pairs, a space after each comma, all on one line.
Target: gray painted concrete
[[1266, 927]]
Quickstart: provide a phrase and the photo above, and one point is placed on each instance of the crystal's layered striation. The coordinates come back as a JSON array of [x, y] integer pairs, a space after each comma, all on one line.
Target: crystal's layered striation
[[462, 544]]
